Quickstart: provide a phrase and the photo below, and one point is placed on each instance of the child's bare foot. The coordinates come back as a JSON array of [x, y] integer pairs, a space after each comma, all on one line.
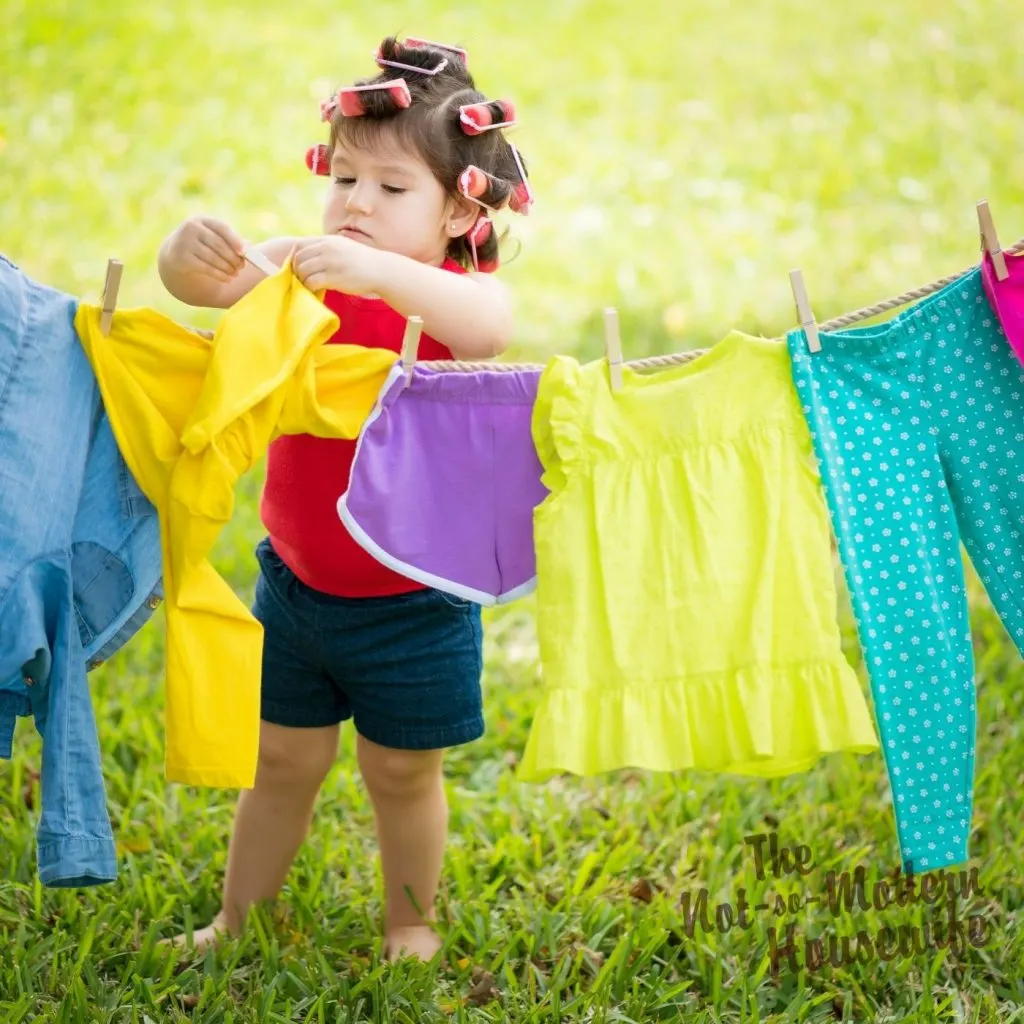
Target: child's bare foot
[[202, 939], [420, 941]]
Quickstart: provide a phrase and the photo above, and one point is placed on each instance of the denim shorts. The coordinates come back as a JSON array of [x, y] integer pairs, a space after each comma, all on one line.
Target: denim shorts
[[405, 668]]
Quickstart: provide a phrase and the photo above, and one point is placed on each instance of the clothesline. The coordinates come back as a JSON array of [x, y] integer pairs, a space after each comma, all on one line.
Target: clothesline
[[652, 362]]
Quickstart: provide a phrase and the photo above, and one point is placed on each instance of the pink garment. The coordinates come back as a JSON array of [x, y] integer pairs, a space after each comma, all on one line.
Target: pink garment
[[1007, 299]]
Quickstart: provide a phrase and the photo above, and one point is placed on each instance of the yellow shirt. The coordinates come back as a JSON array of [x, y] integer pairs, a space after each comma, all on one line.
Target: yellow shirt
[[686, 601], [191, 416]]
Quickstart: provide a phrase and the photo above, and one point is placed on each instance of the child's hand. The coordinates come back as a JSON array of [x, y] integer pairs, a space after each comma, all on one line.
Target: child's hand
[[339, 264], [206, 246]]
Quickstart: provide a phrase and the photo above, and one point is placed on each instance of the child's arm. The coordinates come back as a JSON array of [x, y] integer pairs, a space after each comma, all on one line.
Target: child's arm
[[469, 313], [201, 262]]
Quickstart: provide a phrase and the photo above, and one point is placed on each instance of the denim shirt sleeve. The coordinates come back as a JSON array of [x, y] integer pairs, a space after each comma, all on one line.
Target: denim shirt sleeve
[[75, 841]]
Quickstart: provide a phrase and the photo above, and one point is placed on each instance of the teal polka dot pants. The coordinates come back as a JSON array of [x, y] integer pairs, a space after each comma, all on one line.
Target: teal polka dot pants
[[918, 427]]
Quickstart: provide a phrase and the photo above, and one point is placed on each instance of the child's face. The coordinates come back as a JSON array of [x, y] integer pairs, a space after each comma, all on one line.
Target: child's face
[[389, 199]]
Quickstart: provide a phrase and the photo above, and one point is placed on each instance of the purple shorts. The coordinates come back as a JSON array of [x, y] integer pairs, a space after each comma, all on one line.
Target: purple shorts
[[445, 480]]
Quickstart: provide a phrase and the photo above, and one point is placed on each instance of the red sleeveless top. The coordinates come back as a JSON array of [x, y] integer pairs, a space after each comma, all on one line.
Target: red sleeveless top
[[306, 475]]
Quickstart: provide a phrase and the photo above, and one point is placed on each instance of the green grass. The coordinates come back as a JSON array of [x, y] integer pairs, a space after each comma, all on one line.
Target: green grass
[[684, 158]]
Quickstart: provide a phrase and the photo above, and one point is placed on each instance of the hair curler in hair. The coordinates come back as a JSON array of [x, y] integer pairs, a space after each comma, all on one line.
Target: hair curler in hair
[[477, 235], [328, 108], [382, 61], [476, 118], [522, 195], [318, 159], [459, 52], [482, 188], [350, 98]]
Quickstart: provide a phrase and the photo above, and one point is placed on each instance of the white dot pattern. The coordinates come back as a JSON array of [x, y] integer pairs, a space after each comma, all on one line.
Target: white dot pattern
[[918, 428]]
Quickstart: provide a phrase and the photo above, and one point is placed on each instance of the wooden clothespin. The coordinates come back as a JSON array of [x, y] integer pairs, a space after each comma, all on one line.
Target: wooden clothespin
[[613, 347], [803, 310], [108, 302], [410, 346], [259, 261], [990, 241]]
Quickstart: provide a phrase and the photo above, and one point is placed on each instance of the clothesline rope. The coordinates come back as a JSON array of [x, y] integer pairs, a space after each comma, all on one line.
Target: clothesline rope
[[675, 358]]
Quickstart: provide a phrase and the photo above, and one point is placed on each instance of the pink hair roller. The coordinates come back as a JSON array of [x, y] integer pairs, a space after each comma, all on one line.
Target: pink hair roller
[[318, 159], [328, 108], [522, 195], [459, 52], [350, 99], [382, 61], [476, 118], [477, 236], [473, 182]]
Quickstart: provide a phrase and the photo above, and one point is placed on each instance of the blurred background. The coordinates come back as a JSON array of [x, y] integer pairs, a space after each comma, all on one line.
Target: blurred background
[[684, 158]]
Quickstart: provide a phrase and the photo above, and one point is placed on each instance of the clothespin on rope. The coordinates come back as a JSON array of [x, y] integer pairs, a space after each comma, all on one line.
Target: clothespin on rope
[[410, 346], [613, 347], [990, 241], [803, 310], [108, 302]]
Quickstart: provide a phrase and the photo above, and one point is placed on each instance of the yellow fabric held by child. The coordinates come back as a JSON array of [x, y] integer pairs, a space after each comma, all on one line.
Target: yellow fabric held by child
[[686, 599], [191, 416]]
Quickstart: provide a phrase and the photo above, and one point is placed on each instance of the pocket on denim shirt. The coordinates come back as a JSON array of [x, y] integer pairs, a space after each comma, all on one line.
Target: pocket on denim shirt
[[102, 586]]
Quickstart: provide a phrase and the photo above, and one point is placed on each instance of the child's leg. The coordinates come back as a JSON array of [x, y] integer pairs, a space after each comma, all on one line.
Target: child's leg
[[300, 711], [413, 665], [274, 816], [407, 790], [271, 821]]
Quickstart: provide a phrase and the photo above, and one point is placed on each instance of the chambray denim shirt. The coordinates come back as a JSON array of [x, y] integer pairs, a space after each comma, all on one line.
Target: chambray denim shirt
[[80, 567]]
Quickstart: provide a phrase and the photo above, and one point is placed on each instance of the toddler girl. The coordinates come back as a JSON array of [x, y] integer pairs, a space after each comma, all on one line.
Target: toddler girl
[[414, 165]]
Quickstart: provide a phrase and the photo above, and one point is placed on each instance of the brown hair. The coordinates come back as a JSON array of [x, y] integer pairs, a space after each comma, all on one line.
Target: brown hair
[[430, 125]]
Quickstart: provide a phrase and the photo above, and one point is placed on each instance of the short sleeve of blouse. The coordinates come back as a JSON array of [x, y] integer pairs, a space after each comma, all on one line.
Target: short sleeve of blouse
[[556, 419]]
